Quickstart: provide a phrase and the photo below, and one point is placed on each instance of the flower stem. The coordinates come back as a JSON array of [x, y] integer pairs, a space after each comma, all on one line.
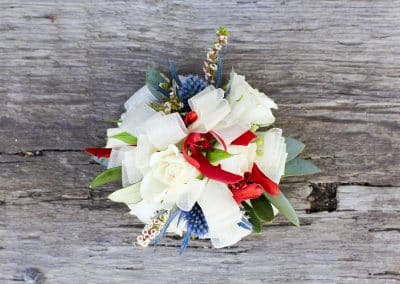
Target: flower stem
[[211, 64]]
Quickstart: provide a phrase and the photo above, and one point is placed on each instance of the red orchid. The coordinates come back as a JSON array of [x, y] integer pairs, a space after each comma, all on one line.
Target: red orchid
[[253, 185], [257, 176], [244, 139], [99, 152], [193, 146], [245, 190]]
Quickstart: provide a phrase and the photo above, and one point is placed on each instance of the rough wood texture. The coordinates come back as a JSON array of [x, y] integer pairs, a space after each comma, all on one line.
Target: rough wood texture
[[332, 66]]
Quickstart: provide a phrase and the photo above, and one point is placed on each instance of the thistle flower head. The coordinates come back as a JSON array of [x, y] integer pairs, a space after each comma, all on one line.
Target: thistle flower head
[[196, 223], [191, 85]]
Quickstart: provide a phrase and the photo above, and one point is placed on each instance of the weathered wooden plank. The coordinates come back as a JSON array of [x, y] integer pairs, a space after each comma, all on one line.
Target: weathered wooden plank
[[332, 66], [378, 198], [72, 243], [62, 176]]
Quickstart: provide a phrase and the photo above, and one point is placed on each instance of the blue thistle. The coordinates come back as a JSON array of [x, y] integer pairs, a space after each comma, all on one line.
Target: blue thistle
[[191, 85], [196, 225]]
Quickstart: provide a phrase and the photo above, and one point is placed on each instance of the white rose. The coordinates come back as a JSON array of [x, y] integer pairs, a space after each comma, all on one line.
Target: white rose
[[169, 178], [248, 105]]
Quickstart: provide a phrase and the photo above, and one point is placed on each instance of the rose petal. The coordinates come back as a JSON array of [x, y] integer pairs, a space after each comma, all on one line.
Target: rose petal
[[151, 189]]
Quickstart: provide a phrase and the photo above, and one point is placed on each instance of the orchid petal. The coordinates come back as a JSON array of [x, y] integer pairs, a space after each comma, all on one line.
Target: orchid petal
[[113, 142], [230, 133], [116, 156], [134, 120], [190, 193], [130, 172], [144, 210], [201, 100], [272, 161], [143, 153], [222, 214], [242, 159], [129, 195], [165, 130], [232, 234], [140, 97], [151, 189], [211, 108]]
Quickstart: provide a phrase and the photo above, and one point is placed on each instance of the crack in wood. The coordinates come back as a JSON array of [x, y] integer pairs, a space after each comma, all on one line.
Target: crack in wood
[[38, 153], [323, 197], [384, 230]]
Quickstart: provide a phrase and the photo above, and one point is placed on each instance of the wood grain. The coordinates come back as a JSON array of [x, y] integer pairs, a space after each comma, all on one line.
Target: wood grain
[[332, 66]]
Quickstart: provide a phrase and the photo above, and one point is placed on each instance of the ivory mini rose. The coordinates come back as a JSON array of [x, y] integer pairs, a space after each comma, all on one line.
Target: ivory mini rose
[[168, 172], [248, 105]]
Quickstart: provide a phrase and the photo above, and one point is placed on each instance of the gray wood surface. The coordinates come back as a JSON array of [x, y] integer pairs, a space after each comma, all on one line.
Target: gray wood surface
[[332, 66]]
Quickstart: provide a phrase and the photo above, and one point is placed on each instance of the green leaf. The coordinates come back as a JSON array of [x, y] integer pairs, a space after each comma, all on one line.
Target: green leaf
[[128, 195], [263, 208], [153, 81], [293, 148], [252, 217], [125, 137], [107, 176], [284, 207], [217, 155], [300, 167]]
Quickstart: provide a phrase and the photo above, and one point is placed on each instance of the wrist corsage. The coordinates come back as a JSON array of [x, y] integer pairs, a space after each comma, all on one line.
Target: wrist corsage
[[200, 158]]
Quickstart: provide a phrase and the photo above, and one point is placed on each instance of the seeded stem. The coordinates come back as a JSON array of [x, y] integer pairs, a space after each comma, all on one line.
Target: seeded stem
[[211, 64]]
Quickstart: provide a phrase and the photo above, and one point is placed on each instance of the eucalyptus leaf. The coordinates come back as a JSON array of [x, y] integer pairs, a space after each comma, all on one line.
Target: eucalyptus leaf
[[263, 208], [125, 137], [252, 217], [300, 167], [293, 148], [284, 207], [153, 81], [110, 175], [128, 195], [217, 155]]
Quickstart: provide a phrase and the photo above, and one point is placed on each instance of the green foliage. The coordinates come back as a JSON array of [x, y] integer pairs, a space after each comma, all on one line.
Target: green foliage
[[153, 81], [293, 148], [284, 207], [217, 155], [110, 175], [125, 137], [300, 167], [128, 195], [252, 217], [263, 209], [223, 31]]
